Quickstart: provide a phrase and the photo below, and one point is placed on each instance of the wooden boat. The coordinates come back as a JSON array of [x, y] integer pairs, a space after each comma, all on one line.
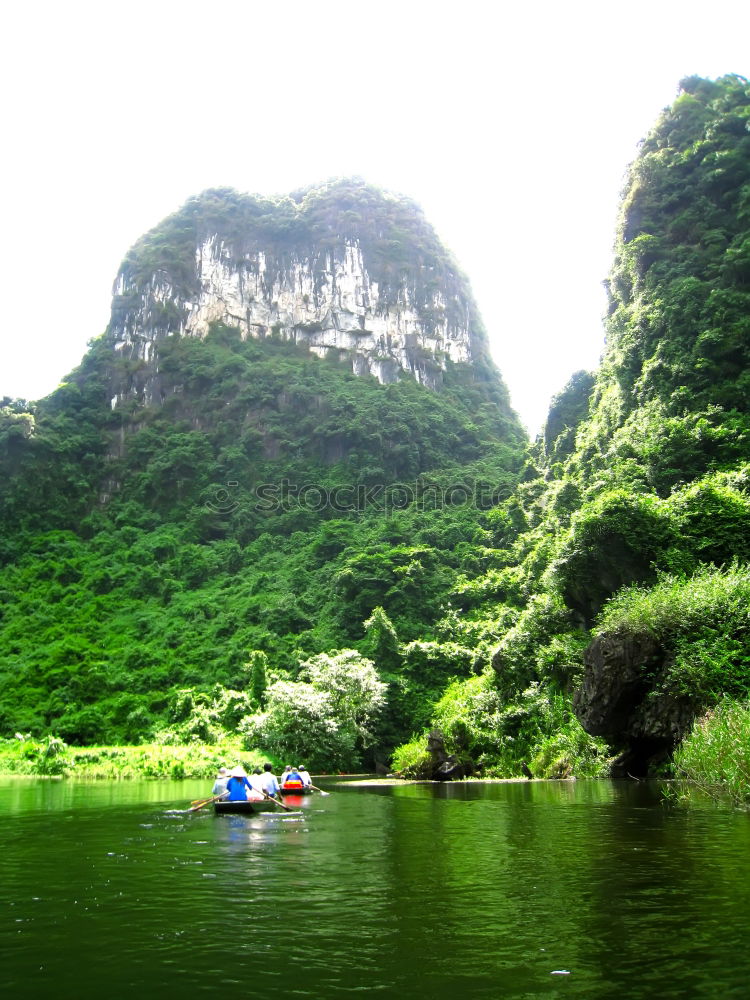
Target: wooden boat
[[295, 790], [247, 808]]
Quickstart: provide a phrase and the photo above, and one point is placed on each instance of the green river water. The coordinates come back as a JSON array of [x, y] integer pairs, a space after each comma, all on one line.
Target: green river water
[[538, 889]]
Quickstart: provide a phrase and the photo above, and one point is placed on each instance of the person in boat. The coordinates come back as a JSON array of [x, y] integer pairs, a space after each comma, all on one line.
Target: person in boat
[[269, 783], [238, 786], [256, 780], [304, 774], [220, 785], [292, 781]]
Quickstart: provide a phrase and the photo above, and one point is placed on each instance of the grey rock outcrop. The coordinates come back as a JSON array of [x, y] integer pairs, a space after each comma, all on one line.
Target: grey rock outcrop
[[444, 766], [620, 699]]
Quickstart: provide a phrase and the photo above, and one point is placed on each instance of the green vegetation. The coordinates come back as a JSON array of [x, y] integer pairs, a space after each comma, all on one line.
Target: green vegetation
[[670, 401], [715, 756], [198, 566], [52, 757], [171, 578], [702, 623], [326, 718], [271, 509], [536, 733], [634, 501]]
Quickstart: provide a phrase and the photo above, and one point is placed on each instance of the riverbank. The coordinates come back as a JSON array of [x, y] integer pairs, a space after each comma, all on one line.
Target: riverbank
[[51, 757], [394, 779], [713, 761]]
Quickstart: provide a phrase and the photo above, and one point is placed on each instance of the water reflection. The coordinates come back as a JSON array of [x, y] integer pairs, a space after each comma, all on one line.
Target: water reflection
[[534, 889]]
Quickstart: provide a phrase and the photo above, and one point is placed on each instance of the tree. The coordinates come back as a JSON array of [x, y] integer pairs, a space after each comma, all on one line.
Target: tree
[[300, 725], [356, 692], [382, 641], [257, 666], [324, 720]]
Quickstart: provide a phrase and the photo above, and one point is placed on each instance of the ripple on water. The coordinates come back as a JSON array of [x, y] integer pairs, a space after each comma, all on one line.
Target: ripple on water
[[484, 891]]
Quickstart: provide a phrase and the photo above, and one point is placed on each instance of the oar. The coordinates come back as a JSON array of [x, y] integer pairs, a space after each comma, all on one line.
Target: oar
[[276, 802], [206, 802], [202, 801], [319, 790]]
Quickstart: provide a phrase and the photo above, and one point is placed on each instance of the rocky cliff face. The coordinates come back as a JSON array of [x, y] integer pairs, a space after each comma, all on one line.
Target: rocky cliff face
[[620, 699], [348, 271]]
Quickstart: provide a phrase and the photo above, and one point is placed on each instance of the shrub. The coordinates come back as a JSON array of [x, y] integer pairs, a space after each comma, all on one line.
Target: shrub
[[299, 723], [613, 542], [518, 659], [435, 662], [412, 759], [715, 755], [702, 622], [571, 752], [325, 719]]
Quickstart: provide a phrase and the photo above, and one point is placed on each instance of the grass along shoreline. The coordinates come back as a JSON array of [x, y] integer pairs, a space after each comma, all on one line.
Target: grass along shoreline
[[713, 759], [51, 757]]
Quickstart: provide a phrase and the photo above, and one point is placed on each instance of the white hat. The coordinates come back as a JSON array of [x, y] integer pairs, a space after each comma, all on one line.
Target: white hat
[[238, 772]]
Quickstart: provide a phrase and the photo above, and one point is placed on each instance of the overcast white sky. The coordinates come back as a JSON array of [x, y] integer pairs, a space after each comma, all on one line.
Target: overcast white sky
[[511, 124]]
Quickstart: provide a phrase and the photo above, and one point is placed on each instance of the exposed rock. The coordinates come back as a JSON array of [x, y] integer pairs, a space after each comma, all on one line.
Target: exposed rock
[[615, 682], [619, 699], [337, 309], [444, 766], [334, 291]]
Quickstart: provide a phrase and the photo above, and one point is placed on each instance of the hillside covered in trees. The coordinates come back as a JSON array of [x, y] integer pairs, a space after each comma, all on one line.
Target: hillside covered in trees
[[162, 551], [620, 563], [244, 535]]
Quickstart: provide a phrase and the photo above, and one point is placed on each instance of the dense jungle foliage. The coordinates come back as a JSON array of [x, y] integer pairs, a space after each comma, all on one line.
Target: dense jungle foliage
[[206, 567], [135, 571], [633, 517], [169, 571]]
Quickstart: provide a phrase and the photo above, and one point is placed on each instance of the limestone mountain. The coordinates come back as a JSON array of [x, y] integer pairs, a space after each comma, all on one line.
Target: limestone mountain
[[351, 272], [669, 434], [291, 420], [291, 440]]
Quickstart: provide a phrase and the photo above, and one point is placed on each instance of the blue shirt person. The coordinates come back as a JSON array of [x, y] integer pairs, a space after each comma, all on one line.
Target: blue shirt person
[[238, 785]]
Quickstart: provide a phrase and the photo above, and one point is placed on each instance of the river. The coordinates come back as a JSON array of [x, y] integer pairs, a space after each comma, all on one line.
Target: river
[[520, 890]]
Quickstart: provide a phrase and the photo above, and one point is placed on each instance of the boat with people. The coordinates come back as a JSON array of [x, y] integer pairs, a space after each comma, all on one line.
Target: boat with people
[[237, 792], [295, 781], [243, 794], [247, 807]]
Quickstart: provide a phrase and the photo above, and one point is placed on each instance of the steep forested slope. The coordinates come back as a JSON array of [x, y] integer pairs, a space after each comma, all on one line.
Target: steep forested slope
[[640, 480], [246, 505], [264, 502], [672, 395]]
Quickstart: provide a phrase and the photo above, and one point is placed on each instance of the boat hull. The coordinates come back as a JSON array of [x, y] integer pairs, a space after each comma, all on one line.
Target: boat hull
[[295, 791], [243, 807]]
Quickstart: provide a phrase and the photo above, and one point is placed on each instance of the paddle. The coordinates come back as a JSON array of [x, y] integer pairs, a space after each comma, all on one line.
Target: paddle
[[319, 790], [276, 802], [206, 802]]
